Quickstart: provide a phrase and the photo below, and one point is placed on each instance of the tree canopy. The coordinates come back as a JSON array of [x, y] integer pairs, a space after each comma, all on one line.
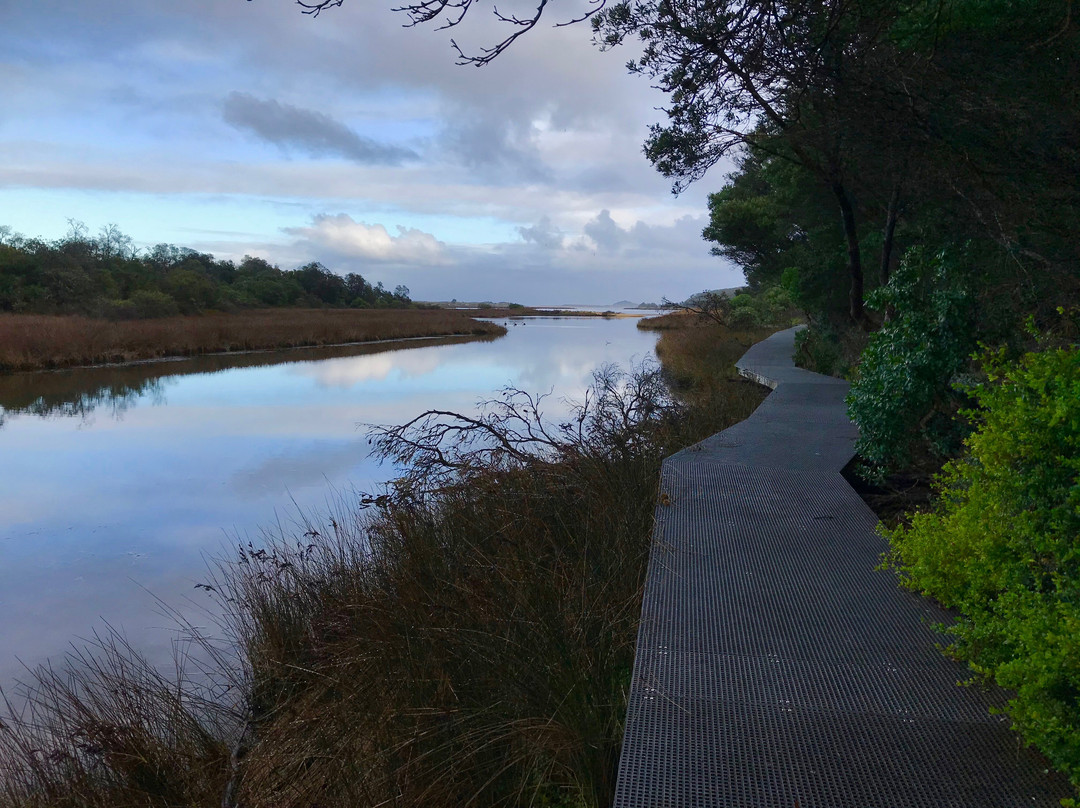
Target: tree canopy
[[105, 275]]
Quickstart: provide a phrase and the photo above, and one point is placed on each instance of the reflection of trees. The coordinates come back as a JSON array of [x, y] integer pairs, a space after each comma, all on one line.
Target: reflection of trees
[[117, 388], [116, 397], [77, 394]]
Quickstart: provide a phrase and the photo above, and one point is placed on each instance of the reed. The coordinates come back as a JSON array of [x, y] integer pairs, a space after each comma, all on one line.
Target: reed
[[463, 639], [33, 342]]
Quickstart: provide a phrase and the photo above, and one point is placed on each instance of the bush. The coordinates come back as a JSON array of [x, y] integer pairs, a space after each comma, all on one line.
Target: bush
[[143, 305], [818, 349], [770, 307], [1003, 546], [903, 399]]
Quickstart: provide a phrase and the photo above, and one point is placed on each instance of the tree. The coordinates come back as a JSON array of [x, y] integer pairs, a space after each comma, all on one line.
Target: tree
[[774, 220], [321, 283], [783, 77], [886, 103]]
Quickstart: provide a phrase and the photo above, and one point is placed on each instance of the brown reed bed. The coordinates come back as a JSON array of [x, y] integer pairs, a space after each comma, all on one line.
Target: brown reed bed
[[35, 342], [672, 320], [698, 358], [464, 639]]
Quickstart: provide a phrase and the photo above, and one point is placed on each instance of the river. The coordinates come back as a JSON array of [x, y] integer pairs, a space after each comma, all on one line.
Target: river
[[118, 484]]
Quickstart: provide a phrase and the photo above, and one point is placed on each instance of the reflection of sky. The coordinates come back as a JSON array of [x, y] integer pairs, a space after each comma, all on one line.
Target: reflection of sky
[[96, 514]]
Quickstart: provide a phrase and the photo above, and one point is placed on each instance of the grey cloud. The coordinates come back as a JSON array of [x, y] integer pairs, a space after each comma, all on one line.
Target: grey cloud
[[544, 234], [681, 236], [616, 177], [554, 128], [314, 132], [604, 231], [498, 149]]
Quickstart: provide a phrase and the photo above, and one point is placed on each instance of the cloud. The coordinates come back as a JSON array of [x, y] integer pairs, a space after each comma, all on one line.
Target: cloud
[[543, 234], [346, 373], [496, 148], [347, 238], [530, 182], [313, 132], [604, 232]]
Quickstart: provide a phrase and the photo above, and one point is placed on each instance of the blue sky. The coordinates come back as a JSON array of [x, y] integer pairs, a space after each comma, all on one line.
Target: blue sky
[[247, 128]]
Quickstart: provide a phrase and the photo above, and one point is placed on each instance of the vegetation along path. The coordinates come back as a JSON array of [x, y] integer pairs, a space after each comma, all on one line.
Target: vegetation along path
[[775, 665]]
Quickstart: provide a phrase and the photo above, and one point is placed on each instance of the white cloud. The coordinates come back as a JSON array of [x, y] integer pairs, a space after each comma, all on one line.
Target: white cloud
[[347, 238]]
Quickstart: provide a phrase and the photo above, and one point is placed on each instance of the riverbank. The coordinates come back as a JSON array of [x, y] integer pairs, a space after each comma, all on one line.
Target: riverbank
[[465, 639], [38, 342]]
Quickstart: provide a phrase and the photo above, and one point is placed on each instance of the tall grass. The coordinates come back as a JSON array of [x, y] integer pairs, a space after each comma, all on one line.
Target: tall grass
[[463, 639], [698, 358], [109, 729], [31, 342]]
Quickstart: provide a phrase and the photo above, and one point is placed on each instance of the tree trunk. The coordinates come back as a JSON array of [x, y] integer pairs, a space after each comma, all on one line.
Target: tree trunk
[[890, 228], [847, 213]]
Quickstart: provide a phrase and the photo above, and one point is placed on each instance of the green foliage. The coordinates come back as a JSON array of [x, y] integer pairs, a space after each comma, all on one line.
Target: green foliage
[[775, 222], [1003, 546], [105, 276], [770, 307], [143, 305], [818, 349], [903, 399]]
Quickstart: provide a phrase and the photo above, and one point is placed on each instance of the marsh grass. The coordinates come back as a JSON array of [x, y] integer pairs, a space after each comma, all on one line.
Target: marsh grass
[[463, 639], [698, 359], [110, 729], [33, 342]]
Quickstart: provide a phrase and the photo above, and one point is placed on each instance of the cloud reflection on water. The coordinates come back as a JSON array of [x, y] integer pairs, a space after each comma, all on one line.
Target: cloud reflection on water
[[100, 506]]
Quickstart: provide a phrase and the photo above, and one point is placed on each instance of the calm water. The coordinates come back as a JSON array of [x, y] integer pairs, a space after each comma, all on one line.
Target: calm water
[[117, 483]]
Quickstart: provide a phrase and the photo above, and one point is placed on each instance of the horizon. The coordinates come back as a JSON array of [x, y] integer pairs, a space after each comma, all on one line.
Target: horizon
[[251, 129]]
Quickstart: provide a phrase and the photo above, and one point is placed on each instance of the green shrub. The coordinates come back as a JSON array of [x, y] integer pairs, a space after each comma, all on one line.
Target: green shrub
[[818, 349], [143, 305], [903, 399], [771, 307], [1003, 546]]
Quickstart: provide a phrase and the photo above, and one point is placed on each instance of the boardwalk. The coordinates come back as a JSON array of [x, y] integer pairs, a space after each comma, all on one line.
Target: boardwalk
[[775, 666]]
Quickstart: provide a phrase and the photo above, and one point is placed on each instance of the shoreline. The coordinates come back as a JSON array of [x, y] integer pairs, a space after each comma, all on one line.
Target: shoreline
[[158, 360], [38, 343]]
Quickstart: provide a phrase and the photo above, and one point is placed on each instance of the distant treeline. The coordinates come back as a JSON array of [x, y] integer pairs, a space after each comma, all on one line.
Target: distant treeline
[[106, 276]]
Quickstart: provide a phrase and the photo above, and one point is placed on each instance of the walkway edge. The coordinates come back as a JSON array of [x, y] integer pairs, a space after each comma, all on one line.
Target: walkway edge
[[775, 665]]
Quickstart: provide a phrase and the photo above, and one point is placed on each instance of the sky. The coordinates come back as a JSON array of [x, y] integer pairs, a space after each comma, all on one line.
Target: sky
[[244, 127]]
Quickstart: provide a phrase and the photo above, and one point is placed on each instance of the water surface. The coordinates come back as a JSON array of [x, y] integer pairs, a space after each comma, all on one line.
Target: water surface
[[118, 482]]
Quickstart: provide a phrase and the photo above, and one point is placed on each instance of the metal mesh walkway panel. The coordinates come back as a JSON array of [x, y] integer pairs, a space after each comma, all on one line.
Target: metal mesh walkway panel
[[775, 666]]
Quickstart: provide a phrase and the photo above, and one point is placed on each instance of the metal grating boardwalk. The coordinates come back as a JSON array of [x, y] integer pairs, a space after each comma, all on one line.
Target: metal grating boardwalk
[[775, 666]]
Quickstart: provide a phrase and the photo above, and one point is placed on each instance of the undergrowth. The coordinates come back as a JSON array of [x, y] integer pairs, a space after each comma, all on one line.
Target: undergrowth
[[1000, 545]]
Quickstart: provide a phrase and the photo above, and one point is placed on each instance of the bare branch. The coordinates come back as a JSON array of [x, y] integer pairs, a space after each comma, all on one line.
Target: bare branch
[[453, 12], [314, 9], [715, 306], [617, 416]]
